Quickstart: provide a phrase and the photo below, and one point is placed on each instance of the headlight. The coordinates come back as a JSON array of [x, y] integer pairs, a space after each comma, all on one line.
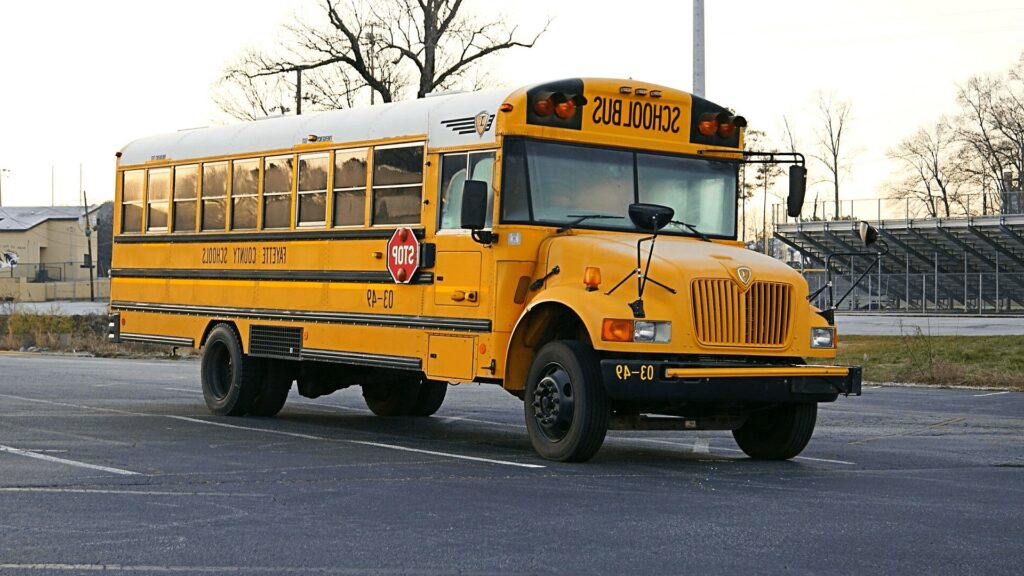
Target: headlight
[[614, 330], [823, 337], [644, 331]]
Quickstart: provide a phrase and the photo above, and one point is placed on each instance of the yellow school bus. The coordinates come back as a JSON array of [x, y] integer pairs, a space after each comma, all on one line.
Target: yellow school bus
[[574, 242]]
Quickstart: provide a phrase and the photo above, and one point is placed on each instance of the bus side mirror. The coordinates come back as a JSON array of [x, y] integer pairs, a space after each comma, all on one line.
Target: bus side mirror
[[797, 190], [868, 234], [474, 211]]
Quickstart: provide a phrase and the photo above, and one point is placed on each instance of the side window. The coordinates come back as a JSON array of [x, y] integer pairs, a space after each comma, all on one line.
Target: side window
[[397, 185], [312, 199], [158, 196], [215, 194], [186, 182], [349, 187], [515, 200], [131, 201], [277, 191], [455, 170], [245, 178]]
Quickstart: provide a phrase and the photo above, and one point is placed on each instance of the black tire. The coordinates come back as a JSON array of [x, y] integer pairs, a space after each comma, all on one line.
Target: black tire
[[391, 399], [778, 433], [566, 405], [230, 378], [273, 391], [430, 398]]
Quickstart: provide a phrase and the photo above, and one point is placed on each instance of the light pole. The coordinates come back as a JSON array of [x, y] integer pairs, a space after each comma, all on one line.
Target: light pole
[[3, 172]]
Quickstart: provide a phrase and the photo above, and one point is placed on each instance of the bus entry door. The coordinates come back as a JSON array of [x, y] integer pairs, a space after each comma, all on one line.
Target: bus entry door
[[457, 279]]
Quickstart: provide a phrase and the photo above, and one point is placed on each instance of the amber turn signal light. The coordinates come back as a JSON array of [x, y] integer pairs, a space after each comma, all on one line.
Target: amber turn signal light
[[613, 330]]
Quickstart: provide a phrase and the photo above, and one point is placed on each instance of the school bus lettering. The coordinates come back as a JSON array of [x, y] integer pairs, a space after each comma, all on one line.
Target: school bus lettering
[[245, 255], [639, 115], [218, 255], [394, 258], [275, 255]]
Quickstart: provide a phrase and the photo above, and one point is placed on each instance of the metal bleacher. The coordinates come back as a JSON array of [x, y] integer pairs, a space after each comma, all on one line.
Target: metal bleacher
[[966, 264]]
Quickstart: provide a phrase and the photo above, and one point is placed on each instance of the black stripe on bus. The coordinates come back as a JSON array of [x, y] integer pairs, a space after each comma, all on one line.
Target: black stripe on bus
[[154, 339], [376, 234], [362, 359], [387, 320], [356, 276]]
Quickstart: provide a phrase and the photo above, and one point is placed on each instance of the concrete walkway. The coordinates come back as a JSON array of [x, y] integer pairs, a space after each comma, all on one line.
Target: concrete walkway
[[66, 307], [892, 325]]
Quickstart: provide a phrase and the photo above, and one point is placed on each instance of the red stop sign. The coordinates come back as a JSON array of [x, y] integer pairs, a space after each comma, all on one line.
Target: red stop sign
[[403, 255]]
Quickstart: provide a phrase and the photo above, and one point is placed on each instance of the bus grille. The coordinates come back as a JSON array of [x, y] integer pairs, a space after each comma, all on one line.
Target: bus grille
[[723, 315]]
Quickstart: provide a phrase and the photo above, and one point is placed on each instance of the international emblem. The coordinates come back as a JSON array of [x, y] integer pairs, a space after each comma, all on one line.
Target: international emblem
[[481, 123], [743, 273]]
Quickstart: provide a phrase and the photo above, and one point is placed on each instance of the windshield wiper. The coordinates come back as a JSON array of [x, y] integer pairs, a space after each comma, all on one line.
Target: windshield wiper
[[580, 218], [692, 228]]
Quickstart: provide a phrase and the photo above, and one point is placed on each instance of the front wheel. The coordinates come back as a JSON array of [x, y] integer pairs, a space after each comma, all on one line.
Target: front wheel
[[566, 406], [778, 433]]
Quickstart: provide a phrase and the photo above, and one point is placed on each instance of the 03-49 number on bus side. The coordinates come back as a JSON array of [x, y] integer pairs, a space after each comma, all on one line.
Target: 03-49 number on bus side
[[386, 298]]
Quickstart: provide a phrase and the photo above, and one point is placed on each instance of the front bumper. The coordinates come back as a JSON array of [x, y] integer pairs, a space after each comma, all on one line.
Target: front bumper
[[640, 380]]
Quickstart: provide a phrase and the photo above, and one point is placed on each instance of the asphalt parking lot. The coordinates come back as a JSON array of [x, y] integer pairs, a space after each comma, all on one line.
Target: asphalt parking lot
[[116, 465]]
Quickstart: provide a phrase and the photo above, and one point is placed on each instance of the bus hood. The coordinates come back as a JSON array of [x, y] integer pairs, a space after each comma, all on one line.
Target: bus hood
[[686, 275], [676, 261]]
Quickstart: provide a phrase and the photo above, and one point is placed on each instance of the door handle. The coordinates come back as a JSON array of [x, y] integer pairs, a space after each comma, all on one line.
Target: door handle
[[458, 295]]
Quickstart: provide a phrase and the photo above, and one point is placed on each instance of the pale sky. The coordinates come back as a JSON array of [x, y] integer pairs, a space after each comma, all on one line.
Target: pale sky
[[79, 80]]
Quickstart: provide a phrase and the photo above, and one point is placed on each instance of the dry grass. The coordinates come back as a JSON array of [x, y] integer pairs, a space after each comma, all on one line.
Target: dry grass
[[76, 334], [987, 361]]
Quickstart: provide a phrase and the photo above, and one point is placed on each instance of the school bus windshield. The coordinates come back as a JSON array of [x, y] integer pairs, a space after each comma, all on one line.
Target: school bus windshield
[[553, 183]]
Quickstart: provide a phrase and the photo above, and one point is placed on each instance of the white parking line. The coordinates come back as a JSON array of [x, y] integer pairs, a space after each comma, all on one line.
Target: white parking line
[[801, 457], [362, 443], [491, 422], [152, 568], [991, 394], [11, 450], [250, 428], [131, 492]]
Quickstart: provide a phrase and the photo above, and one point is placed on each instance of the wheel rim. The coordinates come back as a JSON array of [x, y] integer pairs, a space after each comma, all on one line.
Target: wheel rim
[[220, 371], [554, 403]]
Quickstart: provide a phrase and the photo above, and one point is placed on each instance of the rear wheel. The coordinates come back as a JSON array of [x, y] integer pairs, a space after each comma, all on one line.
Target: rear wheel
[[430, 398], [229, 377], [778, 433], [566, 406], [390, 399], [273, 390]]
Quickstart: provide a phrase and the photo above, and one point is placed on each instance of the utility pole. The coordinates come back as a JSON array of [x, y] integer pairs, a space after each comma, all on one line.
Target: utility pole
[[298, 91], [698, 47], [88, 242], [3, 172]]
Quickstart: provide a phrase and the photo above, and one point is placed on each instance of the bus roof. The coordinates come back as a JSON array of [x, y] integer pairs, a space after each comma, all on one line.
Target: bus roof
[[446, 120]]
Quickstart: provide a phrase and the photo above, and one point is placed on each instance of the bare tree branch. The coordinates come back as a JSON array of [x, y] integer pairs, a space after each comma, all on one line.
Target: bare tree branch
[[360, 50]]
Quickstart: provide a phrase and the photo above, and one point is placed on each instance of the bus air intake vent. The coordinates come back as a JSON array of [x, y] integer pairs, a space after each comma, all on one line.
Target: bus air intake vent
[[275, 342], [725, 315]]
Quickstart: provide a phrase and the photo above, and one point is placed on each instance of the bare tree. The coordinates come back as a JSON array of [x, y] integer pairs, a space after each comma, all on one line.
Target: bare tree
[[376, 51], [933, 171], [834, 114], [991, 123]]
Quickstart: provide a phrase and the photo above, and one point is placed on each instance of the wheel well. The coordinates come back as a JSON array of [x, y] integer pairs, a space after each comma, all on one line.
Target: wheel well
[[544, 323], [209, 328]]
